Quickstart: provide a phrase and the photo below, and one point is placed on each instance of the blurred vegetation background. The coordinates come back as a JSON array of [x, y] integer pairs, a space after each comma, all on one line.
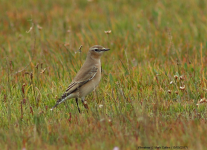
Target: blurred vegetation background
[[153, 84]]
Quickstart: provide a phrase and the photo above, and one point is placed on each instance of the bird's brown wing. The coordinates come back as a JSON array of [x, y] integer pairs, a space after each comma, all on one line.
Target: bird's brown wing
[[81, 78], [85, 75]]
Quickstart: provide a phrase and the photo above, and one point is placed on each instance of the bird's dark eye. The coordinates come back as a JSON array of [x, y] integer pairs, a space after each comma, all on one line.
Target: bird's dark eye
[[96, 50]]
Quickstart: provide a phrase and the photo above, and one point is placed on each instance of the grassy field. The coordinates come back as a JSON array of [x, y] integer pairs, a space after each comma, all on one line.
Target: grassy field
[[152, 81]]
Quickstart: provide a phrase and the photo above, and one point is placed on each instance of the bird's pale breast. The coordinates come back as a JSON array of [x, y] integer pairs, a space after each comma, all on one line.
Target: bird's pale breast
[[89, 86]]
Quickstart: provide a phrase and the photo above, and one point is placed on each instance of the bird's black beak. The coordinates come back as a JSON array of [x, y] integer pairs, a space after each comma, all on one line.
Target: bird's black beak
[[105, 49]]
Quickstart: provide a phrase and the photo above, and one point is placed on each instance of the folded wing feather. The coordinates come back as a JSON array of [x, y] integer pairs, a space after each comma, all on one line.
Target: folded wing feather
[[81, 78]]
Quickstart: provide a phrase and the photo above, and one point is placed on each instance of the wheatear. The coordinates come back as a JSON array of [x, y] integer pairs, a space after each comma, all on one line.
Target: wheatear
[[87, 78]]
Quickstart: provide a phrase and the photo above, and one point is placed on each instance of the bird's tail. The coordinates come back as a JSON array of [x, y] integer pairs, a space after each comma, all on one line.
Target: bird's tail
[[55, 106], [62, 99]]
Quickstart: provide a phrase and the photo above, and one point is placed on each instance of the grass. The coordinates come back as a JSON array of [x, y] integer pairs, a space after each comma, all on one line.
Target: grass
[[152, 78]]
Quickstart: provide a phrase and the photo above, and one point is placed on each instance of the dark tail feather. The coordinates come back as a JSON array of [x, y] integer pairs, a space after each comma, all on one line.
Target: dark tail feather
[[60, 100], [55, 106]]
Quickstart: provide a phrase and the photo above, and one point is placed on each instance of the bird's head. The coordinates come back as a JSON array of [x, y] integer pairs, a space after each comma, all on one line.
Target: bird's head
[[97, 50]]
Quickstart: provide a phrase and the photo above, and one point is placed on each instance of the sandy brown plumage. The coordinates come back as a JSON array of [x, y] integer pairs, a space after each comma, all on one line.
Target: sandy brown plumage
[[87, 78]]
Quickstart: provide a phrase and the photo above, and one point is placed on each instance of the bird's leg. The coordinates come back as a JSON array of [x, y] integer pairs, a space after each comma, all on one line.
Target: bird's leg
[[77, 104], [84, 103]]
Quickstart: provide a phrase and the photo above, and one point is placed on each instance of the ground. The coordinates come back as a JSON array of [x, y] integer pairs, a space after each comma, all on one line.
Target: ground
[[153, 87]]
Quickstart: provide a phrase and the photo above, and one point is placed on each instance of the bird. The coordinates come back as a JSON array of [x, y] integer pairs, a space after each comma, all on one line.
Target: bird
[[87, 78]]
